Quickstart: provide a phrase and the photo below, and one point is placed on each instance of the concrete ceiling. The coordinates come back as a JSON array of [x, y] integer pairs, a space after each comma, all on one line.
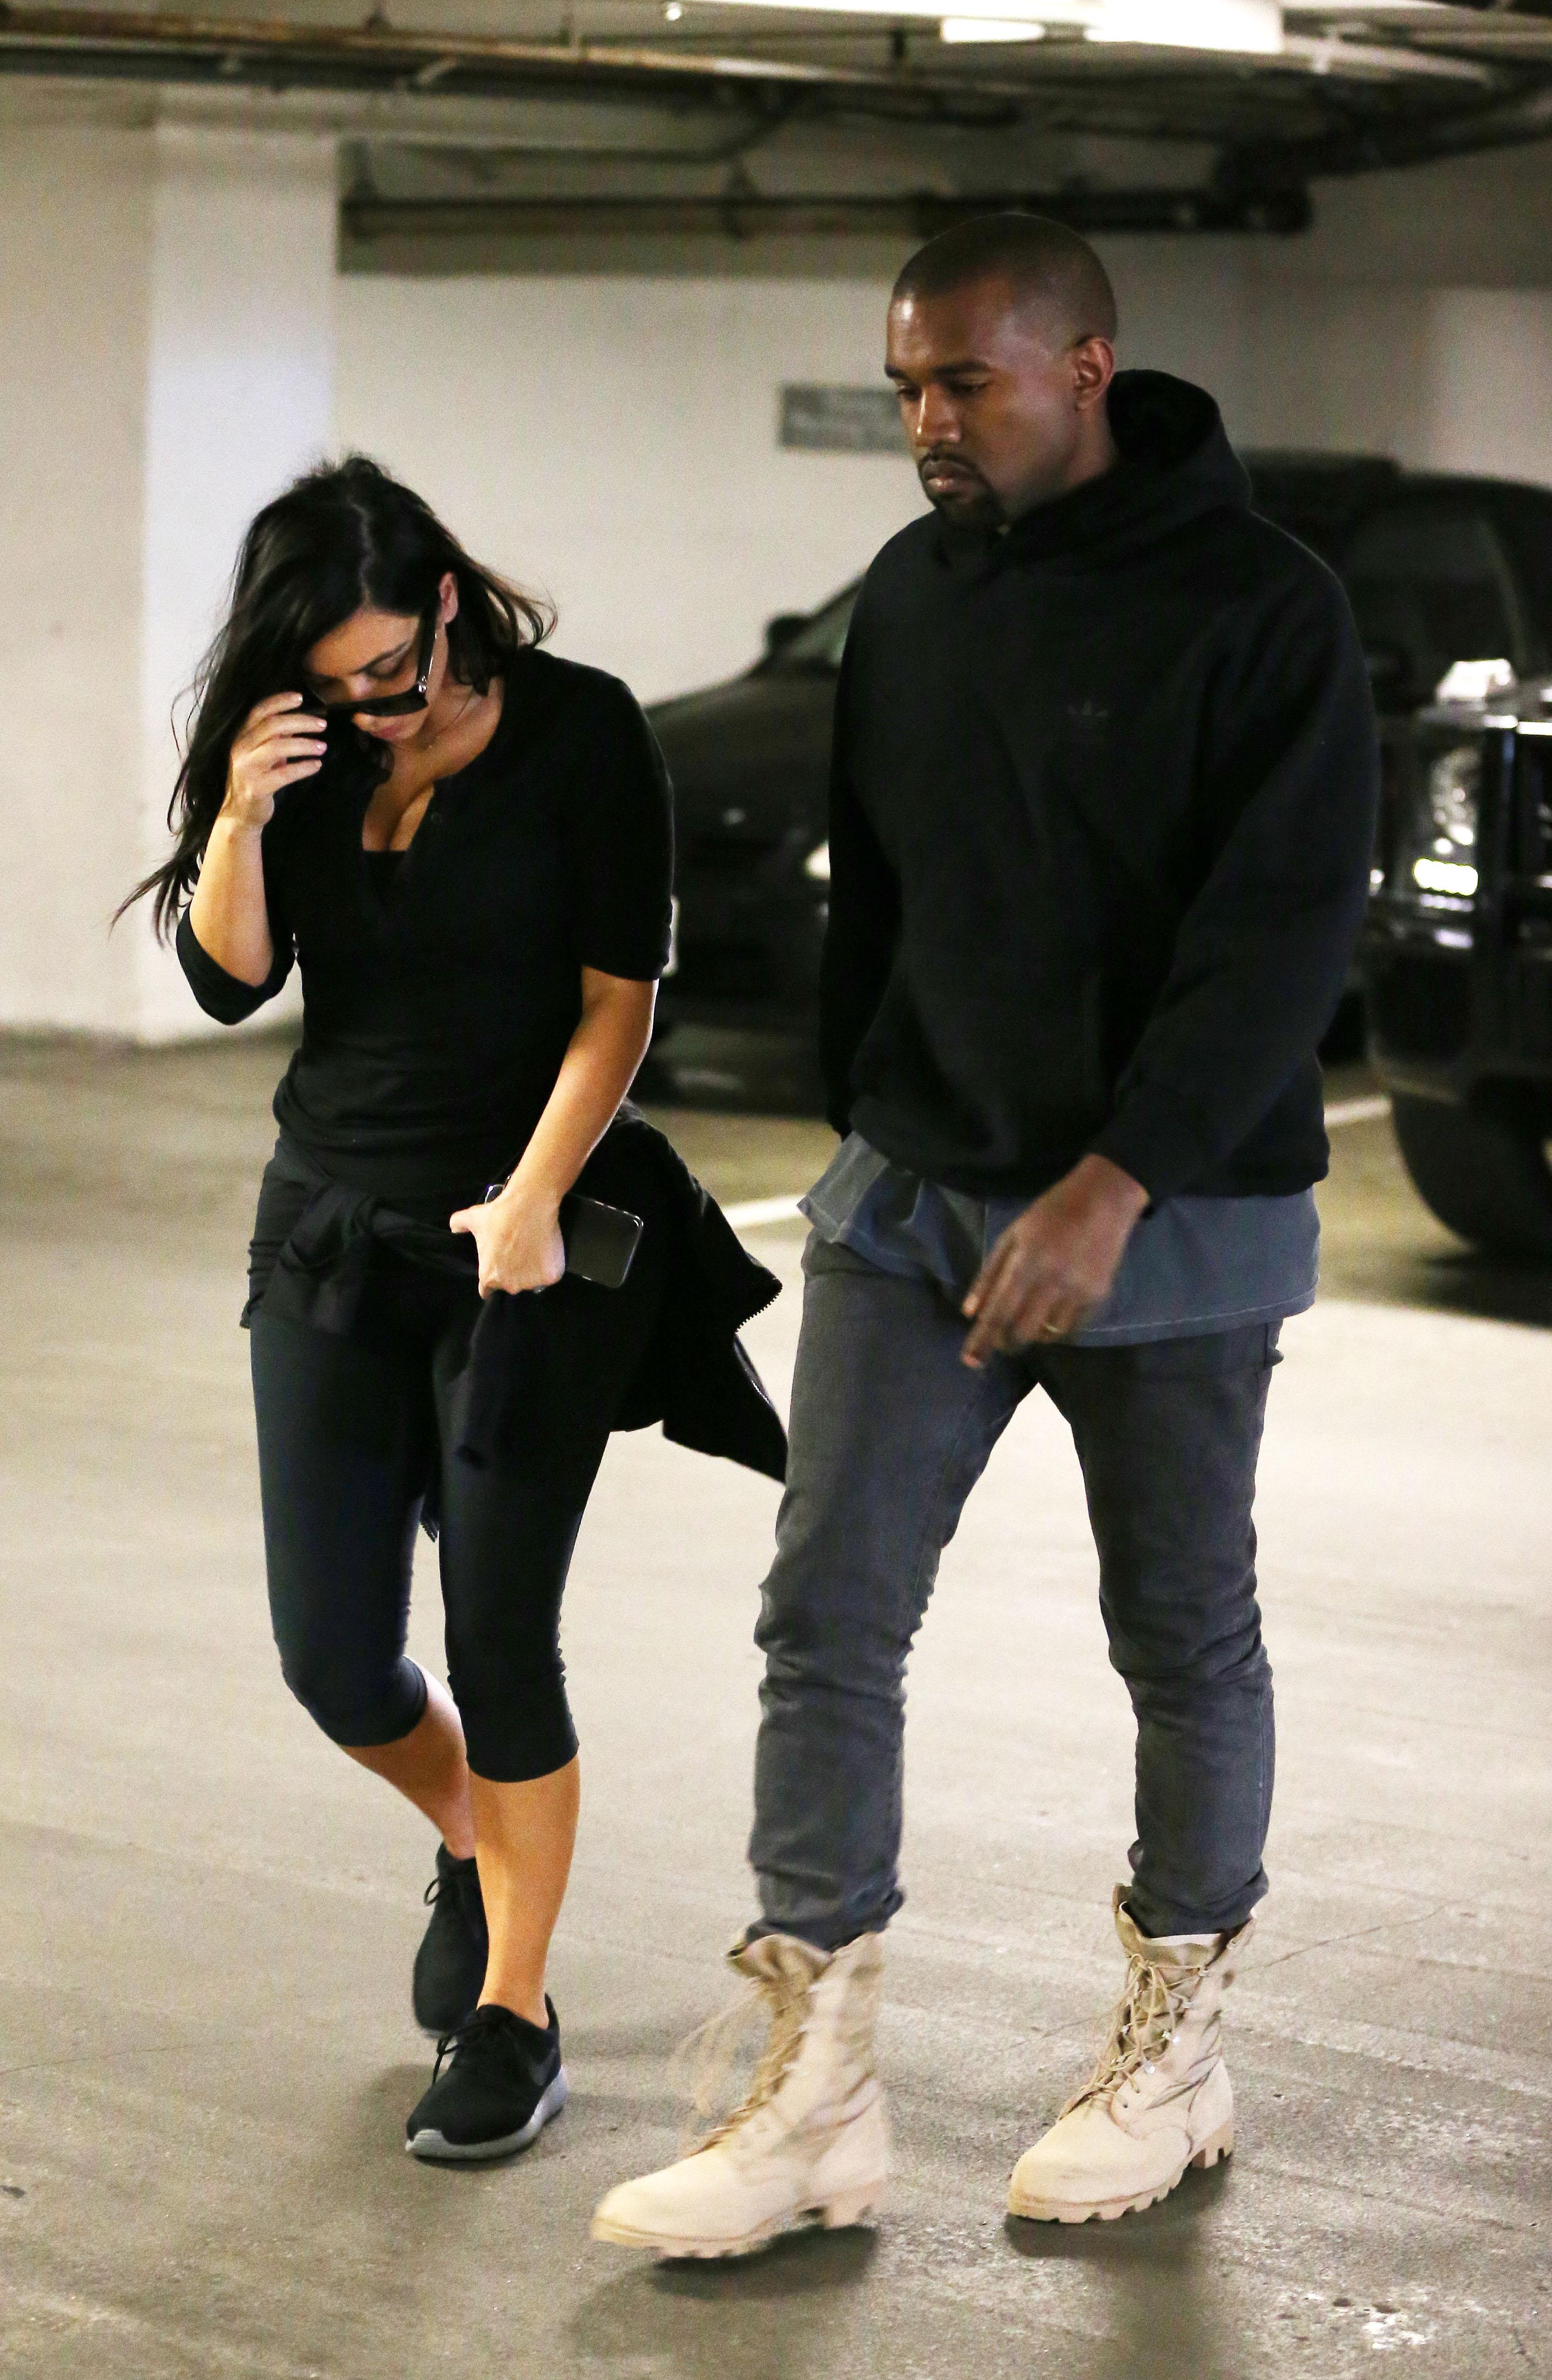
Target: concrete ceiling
[[697, 114]]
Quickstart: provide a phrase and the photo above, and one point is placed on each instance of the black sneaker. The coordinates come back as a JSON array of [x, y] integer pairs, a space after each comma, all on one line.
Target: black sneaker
[[504, 2081], [450, 1963]]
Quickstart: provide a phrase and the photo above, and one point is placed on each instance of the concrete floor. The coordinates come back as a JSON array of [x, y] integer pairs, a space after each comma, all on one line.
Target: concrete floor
[[209, 1915]]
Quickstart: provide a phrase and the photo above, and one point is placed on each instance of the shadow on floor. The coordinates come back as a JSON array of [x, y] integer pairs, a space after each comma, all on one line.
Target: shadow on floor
[[783, 2314], [1483, 1286], [790, 2310], [1164, 2323]]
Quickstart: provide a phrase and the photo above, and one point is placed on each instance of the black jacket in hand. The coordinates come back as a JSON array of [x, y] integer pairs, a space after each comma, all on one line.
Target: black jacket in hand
[[1102, 811]]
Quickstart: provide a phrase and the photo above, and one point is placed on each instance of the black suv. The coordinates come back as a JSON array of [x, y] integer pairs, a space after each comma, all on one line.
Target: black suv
[[1456, 962], [1440, 570]]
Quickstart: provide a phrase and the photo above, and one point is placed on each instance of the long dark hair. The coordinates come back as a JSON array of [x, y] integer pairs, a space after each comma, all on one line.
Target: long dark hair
[[342, 538]]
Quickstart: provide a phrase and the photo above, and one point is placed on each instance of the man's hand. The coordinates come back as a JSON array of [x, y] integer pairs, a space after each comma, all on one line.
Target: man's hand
[[518, 1239], [1055, 1263]]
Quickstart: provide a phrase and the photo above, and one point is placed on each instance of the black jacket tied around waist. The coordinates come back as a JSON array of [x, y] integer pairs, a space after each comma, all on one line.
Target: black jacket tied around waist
[[543, 1376]]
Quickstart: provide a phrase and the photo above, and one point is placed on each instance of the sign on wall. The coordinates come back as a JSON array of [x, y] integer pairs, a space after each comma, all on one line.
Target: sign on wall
[[840, 420]]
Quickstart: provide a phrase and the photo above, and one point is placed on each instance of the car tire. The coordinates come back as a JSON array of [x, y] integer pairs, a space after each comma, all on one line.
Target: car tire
[[1483, 1171]]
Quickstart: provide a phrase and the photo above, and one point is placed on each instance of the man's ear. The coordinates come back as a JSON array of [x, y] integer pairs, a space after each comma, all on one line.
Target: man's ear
[[1094, 368]]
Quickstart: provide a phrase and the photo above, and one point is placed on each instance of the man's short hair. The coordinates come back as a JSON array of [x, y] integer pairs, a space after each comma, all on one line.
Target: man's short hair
[[1048, 267]]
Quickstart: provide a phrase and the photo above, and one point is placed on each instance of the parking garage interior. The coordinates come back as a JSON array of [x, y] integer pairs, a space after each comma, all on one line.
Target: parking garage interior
[[606, 281]]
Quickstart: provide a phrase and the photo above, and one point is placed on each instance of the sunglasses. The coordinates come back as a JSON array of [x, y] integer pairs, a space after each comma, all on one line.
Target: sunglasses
[[393, 706]]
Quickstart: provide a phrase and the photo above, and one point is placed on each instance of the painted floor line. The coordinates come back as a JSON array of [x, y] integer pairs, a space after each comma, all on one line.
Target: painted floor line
[[756, 1212], [1356, 1111]]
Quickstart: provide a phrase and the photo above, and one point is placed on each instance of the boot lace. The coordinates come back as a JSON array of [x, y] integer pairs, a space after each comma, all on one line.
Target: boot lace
[[1142, 2028], [712, 2052]]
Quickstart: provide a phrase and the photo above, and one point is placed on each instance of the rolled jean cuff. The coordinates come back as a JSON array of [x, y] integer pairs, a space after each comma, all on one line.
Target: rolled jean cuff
[[834, 1936]]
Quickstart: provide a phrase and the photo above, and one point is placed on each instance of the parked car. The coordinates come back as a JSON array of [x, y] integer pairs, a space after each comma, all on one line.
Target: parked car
[[750, 761], [1457, 959], [1440, 569]]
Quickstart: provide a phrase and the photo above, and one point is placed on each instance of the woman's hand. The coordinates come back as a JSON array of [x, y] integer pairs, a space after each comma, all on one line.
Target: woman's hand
[[519, 1234], [518, 1239], [278, 743]]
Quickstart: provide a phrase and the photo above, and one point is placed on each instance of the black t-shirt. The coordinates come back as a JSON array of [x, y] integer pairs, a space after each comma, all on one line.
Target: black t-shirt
[[439, 994]]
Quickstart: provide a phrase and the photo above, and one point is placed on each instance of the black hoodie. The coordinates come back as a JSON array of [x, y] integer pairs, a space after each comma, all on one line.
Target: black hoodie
[[1102, 811]]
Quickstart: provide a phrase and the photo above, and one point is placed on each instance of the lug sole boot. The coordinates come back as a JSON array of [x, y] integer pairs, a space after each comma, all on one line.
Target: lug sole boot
[[810, 2143], [1159, 2099]]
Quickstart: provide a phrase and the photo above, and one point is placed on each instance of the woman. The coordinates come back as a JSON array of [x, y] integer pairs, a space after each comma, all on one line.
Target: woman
[[467, 846]]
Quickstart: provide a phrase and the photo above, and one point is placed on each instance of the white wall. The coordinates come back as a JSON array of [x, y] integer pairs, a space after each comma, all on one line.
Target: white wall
[[1490, 383], [167, 313], [1412, 321], [613, 440], [614, 444], [75, 261]]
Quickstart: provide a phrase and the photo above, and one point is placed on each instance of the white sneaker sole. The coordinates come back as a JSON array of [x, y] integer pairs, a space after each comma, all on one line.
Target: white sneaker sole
[[1108, 2210], [430, 2144], [838, 2213]]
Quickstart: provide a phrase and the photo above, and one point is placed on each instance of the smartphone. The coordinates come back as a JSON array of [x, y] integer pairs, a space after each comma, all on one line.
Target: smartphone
[[600, 1241]]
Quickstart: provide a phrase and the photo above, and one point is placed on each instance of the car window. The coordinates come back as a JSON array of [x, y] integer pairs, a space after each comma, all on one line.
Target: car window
[[1526, 521], [1431, 583], [819, 645]]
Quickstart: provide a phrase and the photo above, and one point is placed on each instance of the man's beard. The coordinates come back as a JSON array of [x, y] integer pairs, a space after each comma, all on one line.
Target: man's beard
[[970, 503]]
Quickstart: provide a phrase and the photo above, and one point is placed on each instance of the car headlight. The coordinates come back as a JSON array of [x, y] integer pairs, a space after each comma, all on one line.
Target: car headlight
[[817, 863], [1454, 785], [1447, 863]]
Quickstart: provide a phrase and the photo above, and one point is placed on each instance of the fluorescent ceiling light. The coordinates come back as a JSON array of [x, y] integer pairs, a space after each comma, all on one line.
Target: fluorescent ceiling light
[[1244, 25], [991, 29], [1252, 27]]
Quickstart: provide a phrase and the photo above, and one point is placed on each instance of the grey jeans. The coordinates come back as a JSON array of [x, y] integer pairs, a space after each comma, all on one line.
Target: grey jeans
[[889, 1433]]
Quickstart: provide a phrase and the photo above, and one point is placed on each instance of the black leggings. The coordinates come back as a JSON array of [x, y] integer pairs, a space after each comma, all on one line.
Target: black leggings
[[349, 1434]]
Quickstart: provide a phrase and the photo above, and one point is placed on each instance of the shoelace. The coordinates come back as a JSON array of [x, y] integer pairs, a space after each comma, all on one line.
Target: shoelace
[[1142, 2028], [479, 2035], [713, 2048], [461, 1890]]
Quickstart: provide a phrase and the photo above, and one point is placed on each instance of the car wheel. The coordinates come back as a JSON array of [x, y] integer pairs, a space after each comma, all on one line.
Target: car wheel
[[1483, 1171]]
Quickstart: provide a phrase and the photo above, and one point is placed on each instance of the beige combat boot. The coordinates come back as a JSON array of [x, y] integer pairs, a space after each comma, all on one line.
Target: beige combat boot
[[810, 2143], [1158, 2099]]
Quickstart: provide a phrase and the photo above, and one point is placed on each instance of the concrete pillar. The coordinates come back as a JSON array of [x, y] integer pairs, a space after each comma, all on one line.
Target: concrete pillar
[[239, 397], [166, 362], [75, 257]]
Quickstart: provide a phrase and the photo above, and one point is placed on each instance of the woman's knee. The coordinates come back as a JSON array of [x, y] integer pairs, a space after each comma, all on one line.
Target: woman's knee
[[355, 1707], [516, 1730]]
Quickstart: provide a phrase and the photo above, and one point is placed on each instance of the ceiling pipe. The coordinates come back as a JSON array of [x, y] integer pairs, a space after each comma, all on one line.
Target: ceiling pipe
[[740, 215], [214, 50], [1375, 148]]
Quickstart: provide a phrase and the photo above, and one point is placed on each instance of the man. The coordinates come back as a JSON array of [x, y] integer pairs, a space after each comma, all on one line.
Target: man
[[1101, 820]]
